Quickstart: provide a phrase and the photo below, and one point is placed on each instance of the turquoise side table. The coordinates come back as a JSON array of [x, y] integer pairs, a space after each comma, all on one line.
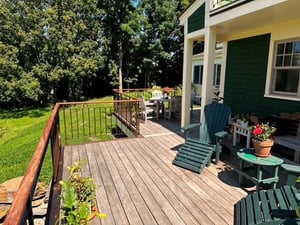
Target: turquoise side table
[[257, 169]]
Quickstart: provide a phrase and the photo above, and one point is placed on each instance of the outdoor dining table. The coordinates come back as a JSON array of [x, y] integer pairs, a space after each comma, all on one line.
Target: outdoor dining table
[[160, 104], [260, 170]]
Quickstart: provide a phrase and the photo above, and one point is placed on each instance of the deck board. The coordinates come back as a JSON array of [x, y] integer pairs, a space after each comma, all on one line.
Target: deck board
[[137, 183], [202, 194]]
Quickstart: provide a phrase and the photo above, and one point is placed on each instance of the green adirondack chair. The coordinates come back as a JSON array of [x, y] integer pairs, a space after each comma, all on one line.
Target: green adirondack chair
[[195, 154], [272, 206]]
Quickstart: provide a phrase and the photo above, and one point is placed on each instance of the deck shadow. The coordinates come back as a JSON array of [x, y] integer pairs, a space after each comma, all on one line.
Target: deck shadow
[[177, 147]]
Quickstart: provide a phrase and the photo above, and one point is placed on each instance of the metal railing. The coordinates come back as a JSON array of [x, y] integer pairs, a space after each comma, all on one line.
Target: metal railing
[[132, 94], [83, 122], [21, 208], [67, 121]]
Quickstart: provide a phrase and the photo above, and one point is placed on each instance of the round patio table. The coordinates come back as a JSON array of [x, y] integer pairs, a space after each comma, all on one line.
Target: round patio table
[[257, 169]]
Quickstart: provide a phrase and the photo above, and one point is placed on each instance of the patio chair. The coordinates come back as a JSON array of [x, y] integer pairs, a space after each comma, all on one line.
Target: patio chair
[[174, 107], [195, 154], [157, 94], [149, 110]]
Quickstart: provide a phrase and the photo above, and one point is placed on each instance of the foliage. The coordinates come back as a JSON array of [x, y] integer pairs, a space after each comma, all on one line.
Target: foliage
[[48, 46], [65, 50], [78, 197], [155, 87], [176, 91], [21, 130], [159, 45], [18, 22], [297, 210], [72, 34], [262, 132]]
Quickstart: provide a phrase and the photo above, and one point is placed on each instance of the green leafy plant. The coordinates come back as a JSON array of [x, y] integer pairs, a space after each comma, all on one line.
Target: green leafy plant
[[78, 197], [262, 132], [155, 87]]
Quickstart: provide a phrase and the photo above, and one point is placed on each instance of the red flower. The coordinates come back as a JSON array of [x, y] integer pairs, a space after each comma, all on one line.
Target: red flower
[[262, 132], [258, 130]]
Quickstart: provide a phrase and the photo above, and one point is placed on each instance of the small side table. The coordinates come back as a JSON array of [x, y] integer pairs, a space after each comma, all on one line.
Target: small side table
[[241, 130], [257, 169]]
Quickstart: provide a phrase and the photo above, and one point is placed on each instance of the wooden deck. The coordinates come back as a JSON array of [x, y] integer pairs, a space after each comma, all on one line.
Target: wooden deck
[[137, 183]]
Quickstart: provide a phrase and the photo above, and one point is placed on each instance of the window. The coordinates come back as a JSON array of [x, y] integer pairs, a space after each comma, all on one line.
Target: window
[[197, 75], [217, 74], [286, 70]]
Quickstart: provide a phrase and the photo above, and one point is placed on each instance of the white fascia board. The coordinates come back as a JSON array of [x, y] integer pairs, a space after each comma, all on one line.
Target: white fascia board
[[196, 35], [241, 10], [184, 17], [200, 56]]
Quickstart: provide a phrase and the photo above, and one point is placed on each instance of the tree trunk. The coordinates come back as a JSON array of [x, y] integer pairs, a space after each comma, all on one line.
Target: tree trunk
[[120, 67]]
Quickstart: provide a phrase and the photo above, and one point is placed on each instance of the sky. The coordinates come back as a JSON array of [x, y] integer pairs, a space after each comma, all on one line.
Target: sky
[[135, 2]]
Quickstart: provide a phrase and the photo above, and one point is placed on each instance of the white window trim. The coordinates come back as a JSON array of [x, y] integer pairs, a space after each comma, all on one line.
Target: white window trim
[[270, 81], [215, 77], [215, 74], [193, 73]]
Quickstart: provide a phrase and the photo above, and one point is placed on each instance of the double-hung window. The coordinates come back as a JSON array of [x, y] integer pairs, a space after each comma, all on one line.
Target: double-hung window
[[197, 75], [286, 69], [217, 74]]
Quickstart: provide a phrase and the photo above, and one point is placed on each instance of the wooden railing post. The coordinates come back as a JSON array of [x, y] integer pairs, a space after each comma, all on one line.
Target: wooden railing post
[[55, 147], [21, 209]]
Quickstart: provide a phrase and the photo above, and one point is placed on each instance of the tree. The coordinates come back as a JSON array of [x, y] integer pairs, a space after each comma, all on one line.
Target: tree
[[73, 51], [47, 47], [19, 40], [121, 23], [160, 42], [59, 49], [146, 42]]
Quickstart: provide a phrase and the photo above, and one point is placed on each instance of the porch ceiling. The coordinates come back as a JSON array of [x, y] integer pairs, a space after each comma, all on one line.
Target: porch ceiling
[[280, 13]]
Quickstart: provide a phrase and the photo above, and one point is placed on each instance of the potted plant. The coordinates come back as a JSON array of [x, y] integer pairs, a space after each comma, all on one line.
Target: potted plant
[[78, 198], [262, 139]]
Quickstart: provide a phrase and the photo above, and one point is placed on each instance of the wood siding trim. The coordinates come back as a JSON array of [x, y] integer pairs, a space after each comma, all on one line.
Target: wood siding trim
[[245, 79], [197, 20]]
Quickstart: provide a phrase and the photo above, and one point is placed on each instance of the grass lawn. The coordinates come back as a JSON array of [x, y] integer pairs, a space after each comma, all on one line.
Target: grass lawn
[[20, 132]]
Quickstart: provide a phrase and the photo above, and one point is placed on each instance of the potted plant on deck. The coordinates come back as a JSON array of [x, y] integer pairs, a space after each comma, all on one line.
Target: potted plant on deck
[[78, 198], [262, 139]]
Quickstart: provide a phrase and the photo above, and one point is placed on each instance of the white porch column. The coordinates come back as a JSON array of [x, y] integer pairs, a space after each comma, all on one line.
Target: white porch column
[[208, 67], [186, 80], [223, 68]]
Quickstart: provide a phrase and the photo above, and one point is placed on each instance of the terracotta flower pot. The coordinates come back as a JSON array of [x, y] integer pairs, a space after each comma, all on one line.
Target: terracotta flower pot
[[262, 149]]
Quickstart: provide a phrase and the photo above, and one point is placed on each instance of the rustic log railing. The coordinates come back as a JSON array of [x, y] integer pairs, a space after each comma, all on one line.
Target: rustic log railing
[[20, 212]]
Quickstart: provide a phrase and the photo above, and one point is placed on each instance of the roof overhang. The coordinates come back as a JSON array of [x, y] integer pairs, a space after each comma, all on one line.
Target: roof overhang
[[227, 23]]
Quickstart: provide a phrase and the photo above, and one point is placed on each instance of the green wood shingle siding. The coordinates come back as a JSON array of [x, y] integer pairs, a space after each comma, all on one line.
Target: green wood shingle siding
[[196, 20], [245, 79]]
